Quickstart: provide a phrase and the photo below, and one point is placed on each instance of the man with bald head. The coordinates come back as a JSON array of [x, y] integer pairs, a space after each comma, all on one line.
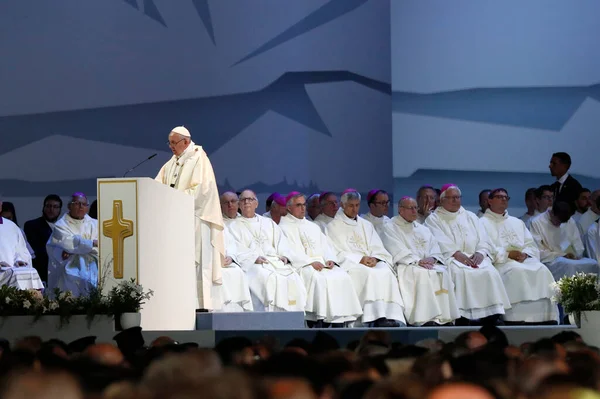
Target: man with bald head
[[229, 206], [263, 253], [425, 284], [379, 203], [467, 251], [73, 250], [189, 170], [313, 207], [329, 207], [459, 390]]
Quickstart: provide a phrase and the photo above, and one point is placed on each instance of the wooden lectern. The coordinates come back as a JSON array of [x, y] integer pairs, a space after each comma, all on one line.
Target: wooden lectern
[[146, 232]]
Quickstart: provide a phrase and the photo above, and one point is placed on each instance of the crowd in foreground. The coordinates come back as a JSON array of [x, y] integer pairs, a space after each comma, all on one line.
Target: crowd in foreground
[[477, 365]]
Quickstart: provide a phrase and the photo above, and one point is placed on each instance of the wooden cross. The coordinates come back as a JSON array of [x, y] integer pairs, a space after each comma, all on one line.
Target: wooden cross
[[118, 229]]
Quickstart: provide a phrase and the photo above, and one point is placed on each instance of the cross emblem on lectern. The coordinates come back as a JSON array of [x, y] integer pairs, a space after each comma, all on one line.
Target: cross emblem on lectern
[[118, 229]]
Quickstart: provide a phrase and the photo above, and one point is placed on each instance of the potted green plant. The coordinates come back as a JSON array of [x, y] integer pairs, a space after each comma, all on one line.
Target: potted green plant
[[125, 301], [578, 294]]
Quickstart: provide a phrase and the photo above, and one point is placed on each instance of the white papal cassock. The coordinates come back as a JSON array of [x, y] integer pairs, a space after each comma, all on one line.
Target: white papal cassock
[[376, 287], [236, 293], [330, 295], [479, 292], [555, 242], [428, 294], [13, 249], [322, 220], [592, 242], [377, 222], [274, 286], [73, 260], [528, 283]]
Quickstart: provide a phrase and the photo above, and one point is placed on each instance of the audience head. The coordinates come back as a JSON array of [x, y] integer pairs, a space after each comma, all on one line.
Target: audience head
[[559, 164], [8, 212], [379, 202], [584, 200], [471, 340], [296, 204], [460, 390], [561, 213], [407, 209], [313, 207], [329, 204], [79, 205], [248, 203], [179, 139], [530, 200], [41, 385], [229, 204], [351, 203], [544, 197], [450, 199], [498, 200], [426, 198], [483, 199], [105, 354]]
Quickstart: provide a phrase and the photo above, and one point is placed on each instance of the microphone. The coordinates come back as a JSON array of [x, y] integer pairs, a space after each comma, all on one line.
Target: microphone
[[145, 160]]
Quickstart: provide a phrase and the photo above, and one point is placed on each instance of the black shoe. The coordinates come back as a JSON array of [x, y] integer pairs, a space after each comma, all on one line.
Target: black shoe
[[337, 325], [430, 324], [462, 322]]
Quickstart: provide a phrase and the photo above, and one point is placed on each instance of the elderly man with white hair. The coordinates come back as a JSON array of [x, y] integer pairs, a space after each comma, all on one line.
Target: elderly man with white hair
[[229, 207], [467, 251], [517, 258], [313, 207], [426, 286], [263, 253], [330, 296], [190, 171], [362, 254]]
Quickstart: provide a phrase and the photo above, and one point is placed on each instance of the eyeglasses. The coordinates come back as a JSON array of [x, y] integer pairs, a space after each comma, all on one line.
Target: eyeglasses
[[171, 144], [80, 204], [232, 202], [382, 203], [453, 197], [410, 208], [502, 197], [242, 200], [302, 205]]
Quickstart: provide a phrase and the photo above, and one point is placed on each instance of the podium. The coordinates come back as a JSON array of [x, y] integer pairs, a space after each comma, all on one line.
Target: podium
[[146, 232]]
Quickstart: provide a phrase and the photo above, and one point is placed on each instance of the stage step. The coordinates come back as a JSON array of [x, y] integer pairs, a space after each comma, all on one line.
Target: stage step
[[261, 321]]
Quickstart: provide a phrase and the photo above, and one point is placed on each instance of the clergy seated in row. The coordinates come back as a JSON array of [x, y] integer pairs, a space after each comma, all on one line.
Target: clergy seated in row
[[590, 216], [544, 198], [263, 253], [378, 202], [516, 256], [229, 207], [235, 290], [467, 252], [331, 299], [313, 207], [329, 208], [277, 209], [530, 204], [582, 204], [38, 232], [425, 283], [15, 260], [483, 202], [557, 237], [73, 250], [362, 254], [426, 203]]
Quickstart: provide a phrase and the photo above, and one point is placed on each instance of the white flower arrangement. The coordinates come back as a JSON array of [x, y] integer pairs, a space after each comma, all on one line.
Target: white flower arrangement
[[577, 293]]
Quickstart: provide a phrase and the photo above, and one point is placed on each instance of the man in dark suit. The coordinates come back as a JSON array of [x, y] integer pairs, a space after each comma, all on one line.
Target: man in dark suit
[[566, 188], [38, 232]]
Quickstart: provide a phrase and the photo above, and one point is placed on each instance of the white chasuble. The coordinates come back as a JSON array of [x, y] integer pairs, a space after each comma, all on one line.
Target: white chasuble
[[479, 291], [236, 292], [586, 220], [322, 220], [192, 173], [428, 294], [527, 283], [592, 242], [377, 222], [376, 287], [13, 249], [274, 285], [73, 259], [556, 242], [330, 295]]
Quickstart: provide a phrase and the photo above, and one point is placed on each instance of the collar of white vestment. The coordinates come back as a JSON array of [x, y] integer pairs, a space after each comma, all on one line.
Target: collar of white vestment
[[495, 216], [340, 214], [72, 220], [400, 221], [447, 214], [187, 153], [292, 219], [252, 219]]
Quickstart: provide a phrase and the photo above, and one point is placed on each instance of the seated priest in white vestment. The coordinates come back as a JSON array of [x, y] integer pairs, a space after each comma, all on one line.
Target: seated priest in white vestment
[[591, 215], [592, 242], [73, 250], [236, 292], [379, 203], [263, 253], [544, 198], [277, 209], [530, 204], [313, 207], [425, 283], [479, 289], [361, 253], [426, 202], [331, 298], [229, 207], [329, 207], [189, 170], [517, 258], [16, 268], [557, 237], [582, 204]]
